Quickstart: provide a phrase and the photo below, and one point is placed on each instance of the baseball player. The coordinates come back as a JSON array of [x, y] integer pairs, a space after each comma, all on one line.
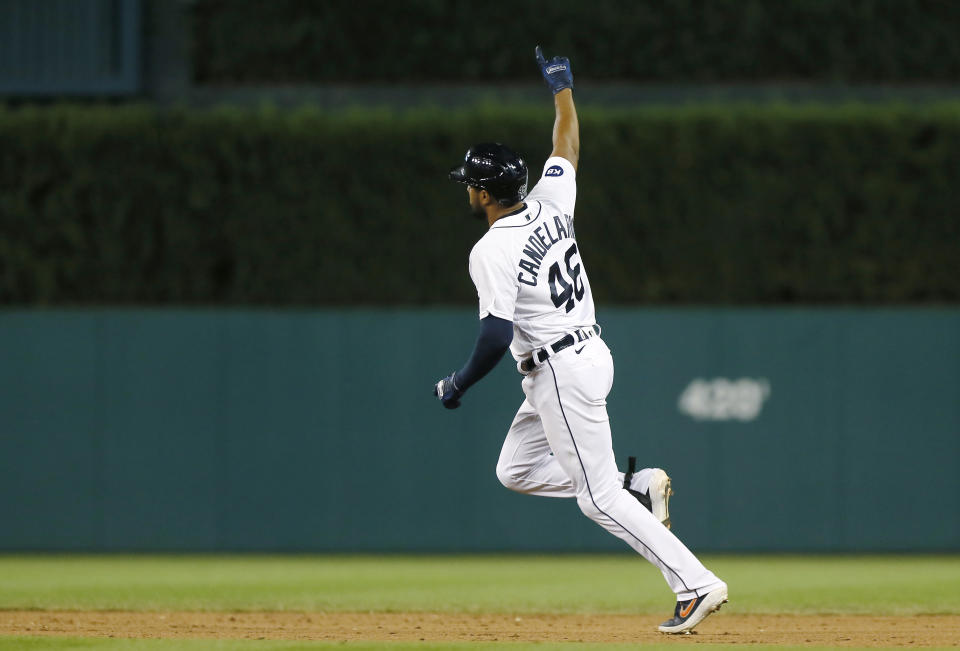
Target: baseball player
[[535, 299]]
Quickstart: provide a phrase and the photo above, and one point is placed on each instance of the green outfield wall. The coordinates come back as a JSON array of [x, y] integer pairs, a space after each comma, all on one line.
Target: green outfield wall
[[805, 429]]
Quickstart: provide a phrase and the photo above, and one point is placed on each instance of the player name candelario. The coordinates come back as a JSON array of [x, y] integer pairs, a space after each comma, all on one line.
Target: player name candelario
[[541, 240]]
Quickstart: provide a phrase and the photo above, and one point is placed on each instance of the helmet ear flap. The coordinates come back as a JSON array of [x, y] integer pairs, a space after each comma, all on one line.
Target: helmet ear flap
[[518, 197]]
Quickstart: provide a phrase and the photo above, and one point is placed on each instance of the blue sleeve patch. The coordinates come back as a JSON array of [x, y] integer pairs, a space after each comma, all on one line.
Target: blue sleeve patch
[[554, 170]]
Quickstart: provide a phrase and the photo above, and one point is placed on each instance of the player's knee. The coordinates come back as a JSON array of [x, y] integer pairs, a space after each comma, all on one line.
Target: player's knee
[[588, 506], [605, 498], [599, 502], [507, 476]]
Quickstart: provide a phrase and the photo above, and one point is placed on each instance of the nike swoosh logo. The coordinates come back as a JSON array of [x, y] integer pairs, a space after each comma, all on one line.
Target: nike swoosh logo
[[578, 351], [686, 611]]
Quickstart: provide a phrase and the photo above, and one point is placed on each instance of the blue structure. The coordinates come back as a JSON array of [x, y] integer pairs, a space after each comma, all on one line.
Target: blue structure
[[70, 47]]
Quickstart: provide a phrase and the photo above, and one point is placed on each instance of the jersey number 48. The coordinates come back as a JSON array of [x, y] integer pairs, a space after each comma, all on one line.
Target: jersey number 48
[[564, 291]]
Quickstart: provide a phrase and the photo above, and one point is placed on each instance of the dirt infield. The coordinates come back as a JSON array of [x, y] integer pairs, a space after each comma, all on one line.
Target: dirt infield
[[722, 628]]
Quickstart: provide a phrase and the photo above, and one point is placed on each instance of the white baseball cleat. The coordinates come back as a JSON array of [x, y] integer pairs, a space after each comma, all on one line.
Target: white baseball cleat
[[689, 613], [656, 497], [660, 492]]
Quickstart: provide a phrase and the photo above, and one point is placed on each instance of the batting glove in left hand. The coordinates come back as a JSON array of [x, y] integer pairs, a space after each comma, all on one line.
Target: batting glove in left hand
[[448, 393]]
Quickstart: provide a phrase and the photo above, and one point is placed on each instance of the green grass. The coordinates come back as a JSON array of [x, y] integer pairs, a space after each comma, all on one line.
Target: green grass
[[604, 584], [895, 585]]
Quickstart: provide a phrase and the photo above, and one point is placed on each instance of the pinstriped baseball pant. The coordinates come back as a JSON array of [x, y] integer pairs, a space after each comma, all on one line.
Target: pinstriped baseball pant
[[560, 445]]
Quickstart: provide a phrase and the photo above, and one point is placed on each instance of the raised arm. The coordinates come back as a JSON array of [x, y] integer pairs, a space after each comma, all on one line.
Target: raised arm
[[566, 128]]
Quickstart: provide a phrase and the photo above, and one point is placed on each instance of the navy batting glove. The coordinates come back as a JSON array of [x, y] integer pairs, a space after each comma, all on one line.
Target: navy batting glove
[[556, 72], [447, 391]]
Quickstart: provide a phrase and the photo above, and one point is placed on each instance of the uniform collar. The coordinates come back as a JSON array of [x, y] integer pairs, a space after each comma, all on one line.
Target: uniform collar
[[519, 217]]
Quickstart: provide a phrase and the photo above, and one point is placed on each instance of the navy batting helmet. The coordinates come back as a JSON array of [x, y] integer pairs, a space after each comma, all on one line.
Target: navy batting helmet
[[495, 168]]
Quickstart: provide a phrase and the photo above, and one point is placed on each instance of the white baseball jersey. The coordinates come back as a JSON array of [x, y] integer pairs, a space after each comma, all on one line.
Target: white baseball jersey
[[528, 268]]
